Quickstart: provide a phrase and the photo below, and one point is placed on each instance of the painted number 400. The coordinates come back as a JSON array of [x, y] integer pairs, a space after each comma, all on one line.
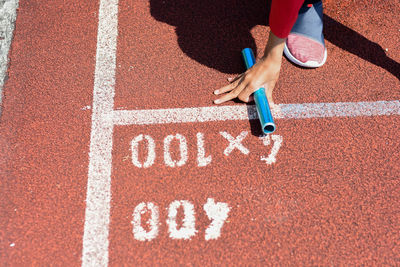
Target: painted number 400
[[216, 212]]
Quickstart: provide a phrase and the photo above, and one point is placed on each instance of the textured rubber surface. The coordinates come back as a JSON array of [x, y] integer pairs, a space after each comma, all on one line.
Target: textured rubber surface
[[328, 197]]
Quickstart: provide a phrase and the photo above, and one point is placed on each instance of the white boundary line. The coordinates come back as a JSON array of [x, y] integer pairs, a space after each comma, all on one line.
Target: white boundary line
[[98, 196], [104, 117], [8, 15], [282, 111]]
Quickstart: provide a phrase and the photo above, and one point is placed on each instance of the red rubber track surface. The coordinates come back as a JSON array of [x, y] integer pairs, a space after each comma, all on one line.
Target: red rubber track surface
[[45, 133], [331, 197]]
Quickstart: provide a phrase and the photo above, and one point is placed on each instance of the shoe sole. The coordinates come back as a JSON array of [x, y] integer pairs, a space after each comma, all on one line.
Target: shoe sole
[[308, 64]]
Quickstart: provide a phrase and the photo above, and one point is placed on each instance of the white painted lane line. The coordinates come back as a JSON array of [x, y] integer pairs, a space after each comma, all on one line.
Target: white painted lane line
[[180, 115], [243, 112], [340, 109], [8, 16], [98, 196]]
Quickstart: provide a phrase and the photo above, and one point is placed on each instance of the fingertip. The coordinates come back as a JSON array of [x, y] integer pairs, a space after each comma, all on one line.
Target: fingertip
[[244, 98], [216, 92], [217, 101]]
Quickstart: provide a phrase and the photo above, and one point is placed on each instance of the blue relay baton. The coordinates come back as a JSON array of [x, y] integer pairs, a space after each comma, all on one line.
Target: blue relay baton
[[262, 106]]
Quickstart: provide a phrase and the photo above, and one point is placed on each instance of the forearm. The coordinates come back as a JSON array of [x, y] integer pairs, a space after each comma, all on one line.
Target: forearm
[[274, 48]]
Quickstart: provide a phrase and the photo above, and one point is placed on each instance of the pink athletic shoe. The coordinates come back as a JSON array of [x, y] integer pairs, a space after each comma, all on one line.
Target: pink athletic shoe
[[305, 45]]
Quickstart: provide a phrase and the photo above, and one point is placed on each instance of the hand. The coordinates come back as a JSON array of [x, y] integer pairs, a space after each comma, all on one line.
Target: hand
[[264, 73]]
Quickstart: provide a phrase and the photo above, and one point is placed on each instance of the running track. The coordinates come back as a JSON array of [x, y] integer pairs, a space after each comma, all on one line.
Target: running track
[[112, 152]]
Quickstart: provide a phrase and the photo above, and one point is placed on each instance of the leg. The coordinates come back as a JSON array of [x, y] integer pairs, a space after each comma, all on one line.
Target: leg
[[305, 45]]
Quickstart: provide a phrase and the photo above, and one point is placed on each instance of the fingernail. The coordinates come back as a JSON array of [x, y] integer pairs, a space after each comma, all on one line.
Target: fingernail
[[216, 92], [217, 101]]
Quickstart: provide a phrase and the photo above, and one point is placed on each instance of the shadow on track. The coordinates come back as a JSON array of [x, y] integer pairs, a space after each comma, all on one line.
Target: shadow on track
[[353, 42], [213, 32]]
